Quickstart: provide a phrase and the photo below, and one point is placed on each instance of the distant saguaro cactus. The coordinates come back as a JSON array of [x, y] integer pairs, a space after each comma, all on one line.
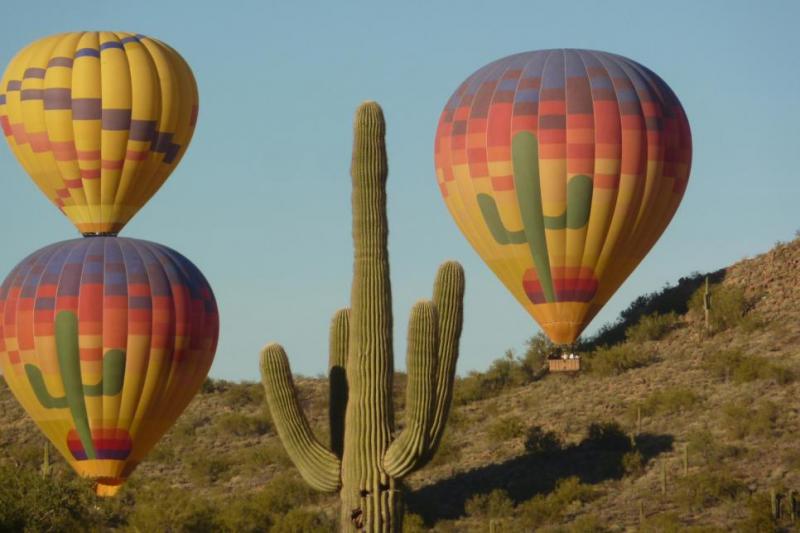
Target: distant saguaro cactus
[[365, 460]]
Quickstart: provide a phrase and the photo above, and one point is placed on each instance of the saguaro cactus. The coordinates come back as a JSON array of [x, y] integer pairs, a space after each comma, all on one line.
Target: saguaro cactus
[[366, 460]]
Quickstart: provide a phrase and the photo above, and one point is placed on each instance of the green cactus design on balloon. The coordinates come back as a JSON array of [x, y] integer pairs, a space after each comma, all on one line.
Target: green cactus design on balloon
[[66, 326], [525, 159], [366, 460]]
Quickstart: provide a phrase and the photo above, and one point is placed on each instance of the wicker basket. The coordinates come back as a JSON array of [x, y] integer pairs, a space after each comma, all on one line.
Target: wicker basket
[[564, 365]]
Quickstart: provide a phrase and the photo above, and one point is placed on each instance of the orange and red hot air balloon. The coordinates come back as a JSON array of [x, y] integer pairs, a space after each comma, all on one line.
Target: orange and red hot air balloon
[[562, 168], [103, 340]]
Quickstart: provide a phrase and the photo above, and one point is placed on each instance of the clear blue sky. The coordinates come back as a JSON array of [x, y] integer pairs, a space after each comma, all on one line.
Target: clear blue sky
[[261, 201]]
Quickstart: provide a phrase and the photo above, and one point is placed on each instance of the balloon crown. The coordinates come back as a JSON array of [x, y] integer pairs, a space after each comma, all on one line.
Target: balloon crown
[[99, 120]]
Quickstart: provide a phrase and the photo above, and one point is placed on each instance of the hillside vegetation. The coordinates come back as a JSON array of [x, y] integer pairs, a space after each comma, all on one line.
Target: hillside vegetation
[[672, 426]]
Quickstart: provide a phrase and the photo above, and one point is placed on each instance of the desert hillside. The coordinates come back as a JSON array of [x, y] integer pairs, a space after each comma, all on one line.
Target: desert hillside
[[672, 425]]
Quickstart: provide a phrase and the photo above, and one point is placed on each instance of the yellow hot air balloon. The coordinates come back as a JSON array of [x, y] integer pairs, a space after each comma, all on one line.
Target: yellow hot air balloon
[[99, 120], [562, 168], [104, 341]]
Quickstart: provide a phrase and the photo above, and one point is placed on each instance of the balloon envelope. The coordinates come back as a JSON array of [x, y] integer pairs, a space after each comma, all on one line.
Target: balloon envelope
[[562, 168], [104, 341], [99, 120]]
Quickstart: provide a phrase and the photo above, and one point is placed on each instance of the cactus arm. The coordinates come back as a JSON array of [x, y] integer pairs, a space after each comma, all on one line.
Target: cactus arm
[[407, 451], [448, 296], [337, 378], [319, 466], [40, 389], [491, 216], [69, 362]]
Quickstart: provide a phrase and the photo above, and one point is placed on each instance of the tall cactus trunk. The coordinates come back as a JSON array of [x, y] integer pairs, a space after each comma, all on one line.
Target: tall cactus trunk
[[369, 419], [365, 461]]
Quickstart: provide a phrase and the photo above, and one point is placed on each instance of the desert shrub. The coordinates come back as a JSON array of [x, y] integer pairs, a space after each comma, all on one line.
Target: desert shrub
[[211, 386], [448, 452], [270, 452], [279, 506], [741, 368], [728, 306], [303, 521], [286, 491], [633, 463], [505, 373], [243, 425], [759, 515], [610, 361], [240, 395], [607, 436], [539, 348], [670, 523], [537, 440], [666, 401], [741, 420], [163, 453], [245, 514], [585, 524], [545, 509], [652, 327], [495, 504], [413, 523], [670, 299], [188, 424], [504, 429], [30, 502], [708, 449], [209, 469], [707, 489], [160, 507]]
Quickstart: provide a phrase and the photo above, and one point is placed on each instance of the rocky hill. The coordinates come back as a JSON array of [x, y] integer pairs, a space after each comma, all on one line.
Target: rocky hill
[[672, 425]]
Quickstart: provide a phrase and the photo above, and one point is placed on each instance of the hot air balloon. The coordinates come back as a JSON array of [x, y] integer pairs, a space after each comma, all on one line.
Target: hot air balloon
[[99, 120], [562, 168], [104, 341]]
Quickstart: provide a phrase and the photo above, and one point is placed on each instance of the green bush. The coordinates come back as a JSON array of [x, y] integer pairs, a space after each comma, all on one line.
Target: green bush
[[759, 515], [728, 306], [303, 521], [703, 445], [160, 507], [741, 368], [448, 452], [413, 523], [538, 440], [188, 424], [550, 508], [741, 420], [538, 350], [242, 425], [670, 523], [607, 436], [31, 502], [208, 469], [652, 327], [504, 429], [240, 395], [505, 373], [666, 401], [269, 453], [633, 463], [707, 489], [495, 504], [610, 361]]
